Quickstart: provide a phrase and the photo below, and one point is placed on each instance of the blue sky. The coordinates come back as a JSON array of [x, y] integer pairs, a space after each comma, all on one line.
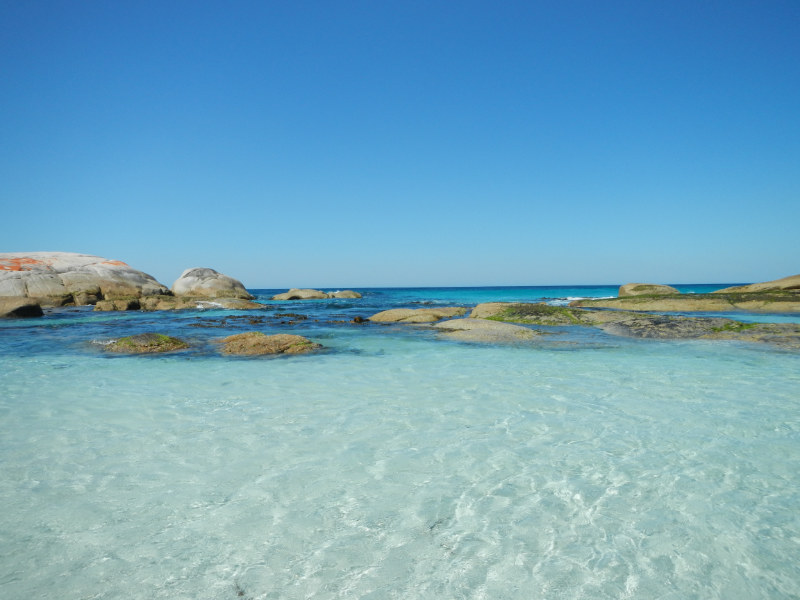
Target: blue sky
[[354, 144]]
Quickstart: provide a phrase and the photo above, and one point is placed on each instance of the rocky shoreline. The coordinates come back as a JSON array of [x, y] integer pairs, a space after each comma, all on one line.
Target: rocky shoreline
[[31, 281], [777, 296]]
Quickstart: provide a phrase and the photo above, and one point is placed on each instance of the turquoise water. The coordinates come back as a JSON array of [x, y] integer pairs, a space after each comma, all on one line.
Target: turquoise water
[[395, 464]]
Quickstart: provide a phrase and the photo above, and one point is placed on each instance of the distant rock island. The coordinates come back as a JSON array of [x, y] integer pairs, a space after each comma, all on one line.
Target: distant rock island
[[309, 294], [778, 296]]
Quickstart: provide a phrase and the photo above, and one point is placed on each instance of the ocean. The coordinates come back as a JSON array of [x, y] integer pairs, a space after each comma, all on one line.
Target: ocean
[[394, 463]]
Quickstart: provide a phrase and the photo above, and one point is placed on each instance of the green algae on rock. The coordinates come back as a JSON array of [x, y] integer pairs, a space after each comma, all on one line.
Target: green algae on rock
[[255, 343], [778, 296], [485, 330], [146, 343], [636, 324]]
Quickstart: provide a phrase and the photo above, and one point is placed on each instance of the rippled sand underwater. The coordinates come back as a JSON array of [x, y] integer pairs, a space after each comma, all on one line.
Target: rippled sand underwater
[[398, 465]]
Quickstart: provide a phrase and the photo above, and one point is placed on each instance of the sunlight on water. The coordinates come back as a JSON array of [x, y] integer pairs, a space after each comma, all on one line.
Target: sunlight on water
[[401, 467]]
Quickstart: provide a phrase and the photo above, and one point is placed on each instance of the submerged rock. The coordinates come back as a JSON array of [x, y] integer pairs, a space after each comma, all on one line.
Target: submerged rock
[[61, 278], [646, 289], [208, 283], [19, 308], [417, 315], [254, 343], [663, 326], [146, 343], [482, 330]]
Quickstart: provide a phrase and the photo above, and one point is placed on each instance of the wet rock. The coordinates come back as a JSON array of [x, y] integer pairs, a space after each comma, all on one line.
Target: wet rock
[[344, 294], [146, 343], [417, 315], [642, 325], [663, 326], [482, 330], [207, 283], [153, 303], [254, 343], [119, 304], [19, 308]]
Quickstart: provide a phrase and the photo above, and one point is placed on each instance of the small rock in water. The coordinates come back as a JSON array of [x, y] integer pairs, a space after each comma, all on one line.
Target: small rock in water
[[147, 343], [254, 343]]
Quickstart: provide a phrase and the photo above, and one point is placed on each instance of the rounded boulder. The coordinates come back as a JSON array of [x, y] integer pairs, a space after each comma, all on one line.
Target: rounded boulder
[[208, 283]]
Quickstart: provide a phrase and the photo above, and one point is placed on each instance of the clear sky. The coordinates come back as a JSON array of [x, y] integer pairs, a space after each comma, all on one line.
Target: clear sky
[[382, 143]]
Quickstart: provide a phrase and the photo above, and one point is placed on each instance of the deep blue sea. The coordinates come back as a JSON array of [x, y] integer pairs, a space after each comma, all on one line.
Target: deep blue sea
[[394, 464]]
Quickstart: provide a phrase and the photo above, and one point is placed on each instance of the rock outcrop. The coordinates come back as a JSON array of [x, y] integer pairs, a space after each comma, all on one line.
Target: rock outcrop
[[308, 294], [482, 330], [301, 294], [779, 296], [62, 278], [254, 343], [146, 343], [208, 283], [537, 314], [766, 302], [646, 289], [20, 308], [787, 283], [417, 315], [150, 303], [640, 324]]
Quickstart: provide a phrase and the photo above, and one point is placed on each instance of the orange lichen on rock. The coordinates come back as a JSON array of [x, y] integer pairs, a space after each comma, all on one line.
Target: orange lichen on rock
[[116, 263], [19, 264]]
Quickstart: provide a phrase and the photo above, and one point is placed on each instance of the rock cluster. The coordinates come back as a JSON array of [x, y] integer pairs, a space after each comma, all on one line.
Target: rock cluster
[[30, 280], [778, 296], [309, 294], [641, 324], [62, 278]]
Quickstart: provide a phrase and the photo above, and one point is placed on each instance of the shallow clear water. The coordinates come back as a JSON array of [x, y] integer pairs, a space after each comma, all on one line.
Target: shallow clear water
[[393, 465]]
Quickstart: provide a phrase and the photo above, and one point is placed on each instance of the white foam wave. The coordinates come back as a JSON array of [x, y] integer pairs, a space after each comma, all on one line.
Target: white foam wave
[[208, 304]]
